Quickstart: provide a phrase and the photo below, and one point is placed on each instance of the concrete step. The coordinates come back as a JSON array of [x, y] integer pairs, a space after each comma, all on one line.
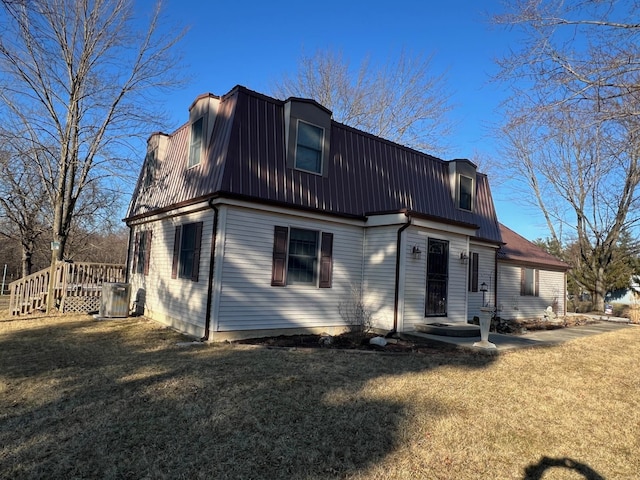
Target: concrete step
[[449, 329]]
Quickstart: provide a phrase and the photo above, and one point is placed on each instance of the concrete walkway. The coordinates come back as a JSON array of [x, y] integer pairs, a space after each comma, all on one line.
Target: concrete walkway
[[530, 339]]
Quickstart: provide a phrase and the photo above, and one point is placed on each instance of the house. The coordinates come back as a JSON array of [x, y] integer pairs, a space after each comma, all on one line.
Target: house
[[260, 216], [625, 296], [530, 280]]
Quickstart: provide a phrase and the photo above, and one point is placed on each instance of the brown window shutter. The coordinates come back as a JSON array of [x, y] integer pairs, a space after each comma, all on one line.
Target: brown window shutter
[[176, 252], [473, 273], [196, 253], [326, 253], [279, 265], [523, 280], [537, 282], [147, 251], [136, 245]]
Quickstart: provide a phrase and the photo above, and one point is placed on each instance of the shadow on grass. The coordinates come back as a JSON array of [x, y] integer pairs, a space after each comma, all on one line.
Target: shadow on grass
[[120, 399], [537, 471]]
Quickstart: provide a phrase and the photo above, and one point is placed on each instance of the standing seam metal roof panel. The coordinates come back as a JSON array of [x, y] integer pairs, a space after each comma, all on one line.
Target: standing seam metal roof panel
[[366, 174]]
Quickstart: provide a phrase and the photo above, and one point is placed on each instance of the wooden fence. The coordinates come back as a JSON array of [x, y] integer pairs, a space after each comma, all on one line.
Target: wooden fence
[[77, 287]]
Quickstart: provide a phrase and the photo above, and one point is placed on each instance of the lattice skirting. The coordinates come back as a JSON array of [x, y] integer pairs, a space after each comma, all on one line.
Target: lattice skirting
[[81, 304]]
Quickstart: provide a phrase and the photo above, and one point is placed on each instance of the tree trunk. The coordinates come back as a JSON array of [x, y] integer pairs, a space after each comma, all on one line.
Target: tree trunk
[[599, 291], [27, 261]]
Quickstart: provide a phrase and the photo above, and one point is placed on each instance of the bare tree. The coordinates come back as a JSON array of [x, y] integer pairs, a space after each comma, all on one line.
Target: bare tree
[[572, 129], [400, 100], [77, 79], [23, 204]]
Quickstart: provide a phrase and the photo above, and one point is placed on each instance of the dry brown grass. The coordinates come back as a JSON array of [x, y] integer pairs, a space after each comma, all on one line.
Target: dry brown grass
[[81, 398], [632, 312]]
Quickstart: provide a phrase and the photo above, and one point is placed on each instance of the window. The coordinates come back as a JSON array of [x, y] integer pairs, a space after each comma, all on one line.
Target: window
[[473, 272], [195, 147], [465, 192], [298, 260], [528, 282], [437, 278], [150, 165], [303, 255], [309, 147], [141, 253], [186, 251]]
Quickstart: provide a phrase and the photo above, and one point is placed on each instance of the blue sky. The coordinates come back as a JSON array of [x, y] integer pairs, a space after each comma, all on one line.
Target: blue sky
[[253, 43]]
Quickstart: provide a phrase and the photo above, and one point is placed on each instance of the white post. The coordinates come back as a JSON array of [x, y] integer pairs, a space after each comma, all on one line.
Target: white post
[[4, 277], [485, 324]]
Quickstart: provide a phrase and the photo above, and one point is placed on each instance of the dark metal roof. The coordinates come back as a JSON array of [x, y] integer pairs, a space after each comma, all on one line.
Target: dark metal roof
[[520, 250], [246, 159]]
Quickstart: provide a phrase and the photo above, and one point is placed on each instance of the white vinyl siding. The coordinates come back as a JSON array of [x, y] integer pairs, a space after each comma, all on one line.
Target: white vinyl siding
[[513, 305], [415, 286], [179, 303], [379, 274], [486, 274], [247, 299]]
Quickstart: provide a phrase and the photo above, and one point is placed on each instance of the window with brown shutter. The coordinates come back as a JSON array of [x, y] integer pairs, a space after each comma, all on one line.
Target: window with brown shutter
[[298, 260], [141, 252], [326, 253], [186, 251], [176, 252], [279, 265], [147, 252], [473, 272], [529, 282], [136, 246]]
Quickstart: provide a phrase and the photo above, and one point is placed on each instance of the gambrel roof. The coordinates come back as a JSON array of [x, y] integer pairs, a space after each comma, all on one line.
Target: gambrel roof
[[245, 159]]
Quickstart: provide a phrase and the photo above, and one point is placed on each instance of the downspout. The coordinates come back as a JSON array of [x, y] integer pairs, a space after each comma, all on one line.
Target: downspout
[[495, 286], [207, 318], [397, 284]]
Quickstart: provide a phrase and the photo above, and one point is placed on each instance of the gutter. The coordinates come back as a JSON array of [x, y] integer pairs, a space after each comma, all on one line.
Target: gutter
[[207, 319], [396, 299]]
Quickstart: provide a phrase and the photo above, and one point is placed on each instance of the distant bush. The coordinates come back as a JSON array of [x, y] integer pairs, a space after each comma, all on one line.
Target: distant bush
[[579, 306]]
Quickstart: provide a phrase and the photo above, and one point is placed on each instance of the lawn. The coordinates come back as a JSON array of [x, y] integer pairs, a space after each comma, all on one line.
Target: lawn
[[81, 398]]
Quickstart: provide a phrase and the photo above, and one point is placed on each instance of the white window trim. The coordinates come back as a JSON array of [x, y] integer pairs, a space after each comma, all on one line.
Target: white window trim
[[460, 176], [202, 134], [295, 160]]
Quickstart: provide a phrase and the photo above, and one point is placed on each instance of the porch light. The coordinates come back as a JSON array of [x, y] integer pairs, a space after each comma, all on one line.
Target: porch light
[[464, 258], [416, 252]]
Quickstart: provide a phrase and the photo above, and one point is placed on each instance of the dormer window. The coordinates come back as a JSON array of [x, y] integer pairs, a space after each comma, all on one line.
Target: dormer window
[[309, 147], [307, 130], [462, 181], [150, 165], [195, 147], [465, 192]]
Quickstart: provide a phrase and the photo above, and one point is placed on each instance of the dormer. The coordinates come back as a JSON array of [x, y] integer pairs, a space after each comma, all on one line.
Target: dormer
[[462, 180], [202, 117], [307, 135], [156, 151]]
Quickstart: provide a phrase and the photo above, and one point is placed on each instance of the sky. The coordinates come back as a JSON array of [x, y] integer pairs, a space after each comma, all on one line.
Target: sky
[[253, 43]]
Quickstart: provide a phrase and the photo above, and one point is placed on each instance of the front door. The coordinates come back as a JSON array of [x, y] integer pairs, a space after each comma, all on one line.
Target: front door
[[437, 278]]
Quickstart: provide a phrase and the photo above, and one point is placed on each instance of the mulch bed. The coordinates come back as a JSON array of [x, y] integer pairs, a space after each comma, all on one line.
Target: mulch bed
[[349, 341], [359, 341], [518, 327]]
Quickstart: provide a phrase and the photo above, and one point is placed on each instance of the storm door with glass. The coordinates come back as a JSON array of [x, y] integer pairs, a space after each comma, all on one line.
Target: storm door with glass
[[437, 278]]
